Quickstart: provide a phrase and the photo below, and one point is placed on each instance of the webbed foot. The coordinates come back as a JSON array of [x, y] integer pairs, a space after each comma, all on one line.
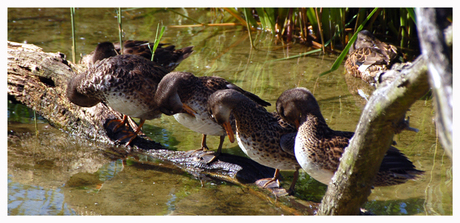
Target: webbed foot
[[204, 156]]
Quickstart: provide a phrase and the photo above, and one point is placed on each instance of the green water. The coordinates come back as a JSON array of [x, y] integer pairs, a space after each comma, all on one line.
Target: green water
[[57, 174]]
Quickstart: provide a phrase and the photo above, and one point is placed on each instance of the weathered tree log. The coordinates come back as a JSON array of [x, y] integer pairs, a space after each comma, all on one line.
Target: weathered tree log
[[39, 80]]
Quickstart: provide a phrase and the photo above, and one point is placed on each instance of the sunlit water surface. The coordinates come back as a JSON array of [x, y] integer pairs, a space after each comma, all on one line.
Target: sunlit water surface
[[53, 173]]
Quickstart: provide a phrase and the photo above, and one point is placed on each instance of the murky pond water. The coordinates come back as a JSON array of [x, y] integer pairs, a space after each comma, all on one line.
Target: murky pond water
[[52, 173]]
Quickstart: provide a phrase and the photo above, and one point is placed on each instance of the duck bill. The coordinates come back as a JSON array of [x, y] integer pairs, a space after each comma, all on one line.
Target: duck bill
[[228, 129], [188, 110], [297, 124]]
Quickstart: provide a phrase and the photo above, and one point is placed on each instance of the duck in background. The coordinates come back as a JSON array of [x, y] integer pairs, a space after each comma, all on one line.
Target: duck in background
[[367, 56]]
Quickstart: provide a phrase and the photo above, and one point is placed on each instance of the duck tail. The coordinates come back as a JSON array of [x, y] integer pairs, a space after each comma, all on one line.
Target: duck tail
[[395, 169]]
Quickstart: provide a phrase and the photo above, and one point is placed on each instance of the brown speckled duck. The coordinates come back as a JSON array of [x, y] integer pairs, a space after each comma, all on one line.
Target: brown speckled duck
[[126, 83], [318, 148], [182, 93], [262, 135], [165, 55], [368, 55]]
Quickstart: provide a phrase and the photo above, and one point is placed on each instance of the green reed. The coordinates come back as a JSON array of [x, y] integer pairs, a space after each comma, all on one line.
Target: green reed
[[331, 28], [157, 40], [120, 29], [74, 40]]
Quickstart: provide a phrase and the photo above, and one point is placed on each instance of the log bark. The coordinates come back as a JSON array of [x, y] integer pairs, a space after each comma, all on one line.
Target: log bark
[[38, 80]]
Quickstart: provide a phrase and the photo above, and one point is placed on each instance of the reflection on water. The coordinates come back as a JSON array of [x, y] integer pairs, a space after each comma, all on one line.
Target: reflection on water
[[54, 174]]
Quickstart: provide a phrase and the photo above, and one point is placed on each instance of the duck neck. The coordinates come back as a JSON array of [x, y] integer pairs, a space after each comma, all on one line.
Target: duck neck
[[314, 124], [186, 87], [76, 97], [247, 111]]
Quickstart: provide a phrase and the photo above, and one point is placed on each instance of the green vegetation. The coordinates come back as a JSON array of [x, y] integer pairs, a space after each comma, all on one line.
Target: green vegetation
[[331, 28], [335, 28], [74, 40], [157, 40]]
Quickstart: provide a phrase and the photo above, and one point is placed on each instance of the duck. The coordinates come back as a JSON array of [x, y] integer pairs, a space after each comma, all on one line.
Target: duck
[[318, 148], [126, 83], [182, 93], [166, 55], [368, 56], [135, 65], [263, 136]]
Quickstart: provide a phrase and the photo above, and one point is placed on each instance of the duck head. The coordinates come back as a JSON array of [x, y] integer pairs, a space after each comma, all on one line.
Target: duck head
[[221, 104], [167, 96], [295, 104]]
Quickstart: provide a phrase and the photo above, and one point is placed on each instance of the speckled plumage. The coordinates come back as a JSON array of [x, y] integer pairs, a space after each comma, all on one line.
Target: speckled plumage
[[181, 88], [318, 148], [259, 132], [126, 83], [368, 55]]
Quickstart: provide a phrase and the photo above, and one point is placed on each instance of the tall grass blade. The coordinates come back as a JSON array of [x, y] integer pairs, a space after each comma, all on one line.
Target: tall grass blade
[[250, 18], [74, 39], [157, 40], [267, 18], [196, 21], [234, 13], [249, 29], [344, 53], [320, 29], [295, 56], [411, 12], [120, 30]]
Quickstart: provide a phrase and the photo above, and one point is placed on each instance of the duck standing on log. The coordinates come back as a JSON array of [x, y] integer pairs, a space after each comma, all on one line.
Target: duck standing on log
[[127, 83], [178, 92], [262, 135]]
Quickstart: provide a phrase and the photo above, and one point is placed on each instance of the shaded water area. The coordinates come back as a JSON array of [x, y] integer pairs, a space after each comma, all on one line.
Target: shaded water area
[[54, 173]]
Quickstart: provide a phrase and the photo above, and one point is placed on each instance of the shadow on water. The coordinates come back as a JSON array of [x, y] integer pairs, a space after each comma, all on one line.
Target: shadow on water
[[55, 173]]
